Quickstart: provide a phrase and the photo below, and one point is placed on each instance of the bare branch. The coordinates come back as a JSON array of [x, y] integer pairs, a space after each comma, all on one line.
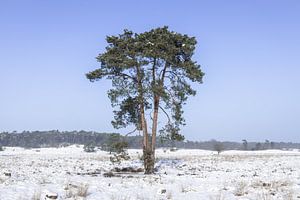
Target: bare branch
[[169, 119], [130, 132]]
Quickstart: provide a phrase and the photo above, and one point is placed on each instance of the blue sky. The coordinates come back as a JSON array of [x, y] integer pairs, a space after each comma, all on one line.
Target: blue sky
[[249, 51]]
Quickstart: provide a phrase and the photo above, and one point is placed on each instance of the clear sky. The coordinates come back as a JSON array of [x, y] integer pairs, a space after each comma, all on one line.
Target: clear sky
[[249, 50]]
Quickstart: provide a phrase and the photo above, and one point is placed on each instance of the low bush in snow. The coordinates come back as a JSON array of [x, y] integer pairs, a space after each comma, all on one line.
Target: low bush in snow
[[90, 147]]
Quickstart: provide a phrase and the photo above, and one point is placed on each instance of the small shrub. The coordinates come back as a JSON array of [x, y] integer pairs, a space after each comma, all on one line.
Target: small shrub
[[64, 144], [90, 147], [118, 157], [1, 148], [219, 147], [115, 144], [119, 147]]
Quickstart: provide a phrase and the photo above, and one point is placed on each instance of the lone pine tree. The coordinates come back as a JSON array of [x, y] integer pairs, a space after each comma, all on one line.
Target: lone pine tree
[[150, 71]]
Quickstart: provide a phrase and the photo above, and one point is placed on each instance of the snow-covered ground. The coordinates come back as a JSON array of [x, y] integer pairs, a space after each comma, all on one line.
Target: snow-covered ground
[[184, 174]]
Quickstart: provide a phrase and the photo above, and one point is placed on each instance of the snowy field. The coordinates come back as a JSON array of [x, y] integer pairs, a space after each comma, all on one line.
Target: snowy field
[[71, 173]]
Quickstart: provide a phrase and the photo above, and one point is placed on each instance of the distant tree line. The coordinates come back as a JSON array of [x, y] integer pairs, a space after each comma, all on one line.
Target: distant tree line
[[55, 138]]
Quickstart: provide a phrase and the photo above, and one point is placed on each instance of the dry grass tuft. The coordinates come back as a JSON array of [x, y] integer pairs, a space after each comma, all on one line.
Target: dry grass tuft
[[83, 190], [241, 189], [73, 190], [37, 195]]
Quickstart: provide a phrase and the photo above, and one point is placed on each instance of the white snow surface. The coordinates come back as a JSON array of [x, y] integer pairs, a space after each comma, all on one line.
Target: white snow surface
[[71, 173]]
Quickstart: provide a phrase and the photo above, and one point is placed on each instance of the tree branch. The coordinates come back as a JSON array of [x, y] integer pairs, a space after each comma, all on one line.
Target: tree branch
[[169, 119], [98, 74], [163, 73], [126, 75], [130, 132]]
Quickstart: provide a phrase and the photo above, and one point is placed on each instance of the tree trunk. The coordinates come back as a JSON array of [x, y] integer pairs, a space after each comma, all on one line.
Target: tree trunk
[[154, 125], [147, 150], [149, 154], [144, 128], [149, 161]]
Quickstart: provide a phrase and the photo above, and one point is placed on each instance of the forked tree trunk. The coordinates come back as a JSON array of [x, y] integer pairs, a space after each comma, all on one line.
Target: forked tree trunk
[[147, 150], [149, 153]]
